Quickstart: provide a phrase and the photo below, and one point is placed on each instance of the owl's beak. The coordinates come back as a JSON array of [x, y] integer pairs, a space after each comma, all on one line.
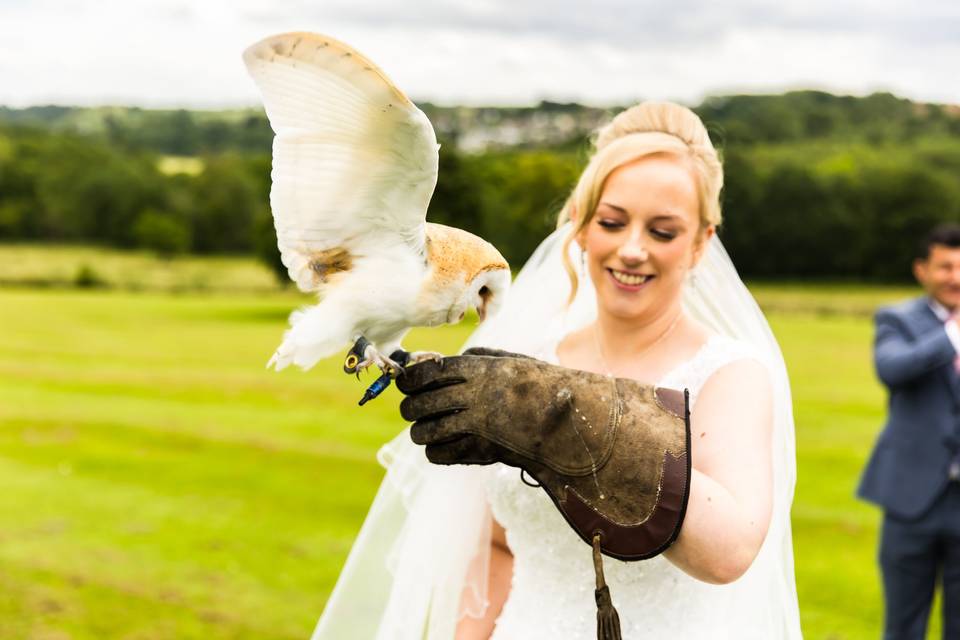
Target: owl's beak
[[485, 295]]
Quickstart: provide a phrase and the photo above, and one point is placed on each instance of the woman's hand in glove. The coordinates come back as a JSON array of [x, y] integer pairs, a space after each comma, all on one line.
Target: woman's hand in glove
[[612, 453]]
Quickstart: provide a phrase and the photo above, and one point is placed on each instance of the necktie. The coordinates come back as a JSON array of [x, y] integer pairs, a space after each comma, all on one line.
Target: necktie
[[956, 360]]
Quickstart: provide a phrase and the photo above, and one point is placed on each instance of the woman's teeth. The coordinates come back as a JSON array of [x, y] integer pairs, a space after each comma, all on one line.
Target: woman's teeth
[[629, 279]]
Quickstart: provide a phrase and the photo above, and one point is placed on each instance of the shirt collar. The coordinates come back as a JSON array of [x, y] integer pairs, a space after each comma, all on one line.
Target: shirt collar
[[939, 310]]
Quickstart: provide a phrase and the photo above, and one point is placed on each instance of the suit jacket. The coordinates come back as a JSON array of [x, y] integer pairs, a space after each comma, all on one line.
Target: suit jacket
[[914, 358]]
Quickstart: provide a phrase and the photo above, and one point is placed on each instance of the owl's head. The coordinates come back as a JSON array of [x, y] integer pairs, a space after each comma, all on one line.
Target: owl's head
[[488, 289], [469, 268], [485, 291]]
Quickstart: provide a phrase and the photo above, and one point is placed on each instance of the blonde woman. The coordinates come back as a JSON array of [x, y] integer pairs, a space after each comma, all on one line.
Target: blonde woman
[[633, 285]]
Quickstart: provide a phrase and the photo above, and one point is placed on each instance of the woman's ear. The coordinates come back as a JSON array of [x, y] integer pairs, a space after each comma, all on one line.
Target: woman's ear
[[574, 221], [703, 239]]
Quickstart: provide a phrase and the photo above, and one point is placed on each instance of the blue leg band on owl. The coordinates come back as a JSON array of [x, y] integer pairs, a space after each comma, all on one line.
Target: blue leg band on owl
[[379, 385]]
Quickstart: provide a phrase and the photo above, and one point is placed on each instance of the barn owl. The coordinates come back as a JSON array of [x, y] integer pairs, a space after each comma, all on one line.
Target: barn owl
[[354, 165]]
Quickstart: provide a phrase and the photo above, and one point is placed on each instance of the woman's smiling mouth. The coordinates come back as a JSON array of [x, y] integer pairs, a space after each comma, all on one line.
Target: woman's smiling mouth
[[629, 281]]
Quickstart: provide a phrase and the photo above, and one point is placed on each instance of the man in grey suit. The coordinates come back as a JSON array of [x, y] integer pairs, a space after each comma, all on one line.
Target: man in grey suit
[[914, 470]]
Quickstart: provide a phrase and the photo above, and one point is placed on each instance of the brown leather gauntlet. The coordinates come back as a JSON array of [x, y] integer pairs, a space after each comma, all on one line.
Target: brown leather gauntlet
[[612, 454]]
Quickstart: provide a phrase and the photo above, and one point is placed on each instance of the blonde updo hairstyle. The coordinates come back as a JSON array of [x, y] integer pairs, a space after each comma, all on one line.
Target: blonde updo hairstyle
[[646, 129]]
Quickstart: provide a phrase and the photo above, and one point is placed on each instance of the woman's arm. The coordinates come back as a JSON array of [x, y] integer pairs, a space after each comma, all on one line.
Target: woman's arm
[[498, 587], [731, 487], [730, 502]]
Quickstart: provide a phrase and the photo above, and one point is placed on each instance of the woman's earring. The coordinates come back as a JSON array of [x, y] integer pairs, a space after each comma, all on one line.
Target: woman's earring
[[692, 278], [583, 262]]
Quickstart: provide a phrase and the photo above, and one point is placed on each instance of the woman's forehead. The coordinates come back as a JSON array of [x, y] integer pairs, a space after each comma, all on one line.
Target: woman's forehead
[[660, 169], [653, 186]]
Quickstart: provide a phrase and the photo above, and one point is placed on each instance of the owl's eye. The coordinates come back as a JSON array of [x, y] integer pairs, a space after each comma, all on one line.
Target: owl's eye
[[485, 292]]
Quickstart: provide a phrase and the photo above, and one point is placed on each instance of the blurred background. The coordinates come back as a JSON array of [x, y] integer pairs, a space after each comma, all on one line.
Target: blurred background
[[159, 483]]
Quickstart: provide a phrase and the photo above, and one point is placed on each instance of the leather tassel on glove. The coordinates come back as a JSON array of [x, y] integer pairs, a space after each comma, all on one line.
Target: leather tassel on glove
[[608, 620]]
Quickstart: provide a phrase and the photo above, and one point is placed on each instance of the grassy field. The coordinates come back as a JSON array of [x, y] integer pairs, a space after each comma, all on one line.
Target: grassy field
[[42, 266], [159, 483]]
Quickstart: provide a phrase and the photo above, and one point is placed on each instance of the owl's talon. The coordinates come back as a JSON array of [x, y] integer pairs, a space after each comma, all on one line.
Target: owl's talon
[[371, 356], [391, 367], [417, 357]]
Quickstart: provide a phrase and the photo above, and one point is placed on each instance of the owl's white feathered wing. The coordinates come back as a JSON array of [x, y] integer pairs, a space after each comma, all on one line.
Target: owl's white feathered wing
[[354, 160], [354, 165]]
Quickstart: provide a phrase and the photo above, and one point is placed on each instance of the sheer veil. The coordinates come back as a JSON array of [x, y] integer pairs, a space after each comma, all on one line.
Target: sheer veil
[[420, 560]]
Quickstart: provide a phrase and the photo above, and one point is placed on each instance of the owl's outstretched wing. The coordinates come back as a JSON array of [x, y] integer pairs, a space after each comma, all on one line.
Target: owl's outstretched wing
[[354, 160]]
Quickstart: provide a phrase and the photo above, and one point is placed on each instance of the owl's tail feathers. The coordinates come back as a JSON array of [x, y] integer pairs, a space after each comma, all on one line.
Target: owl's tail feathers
[[315, 333]]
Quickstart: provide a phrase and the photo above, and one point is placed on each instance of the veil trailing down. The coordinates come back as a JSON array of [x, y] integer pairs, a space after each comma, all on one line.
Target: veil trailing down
[[419, 563]]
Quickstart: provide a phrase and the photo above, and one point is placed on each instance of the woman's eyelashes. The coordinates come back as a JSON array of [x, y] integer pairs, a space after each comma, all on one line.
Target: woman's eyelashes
[[664, 235], [607, 223]]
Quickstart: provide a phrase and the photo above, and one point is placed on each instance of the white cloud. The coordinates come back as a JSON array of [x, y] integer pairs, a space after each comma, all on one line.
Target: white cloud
[[176, 52]]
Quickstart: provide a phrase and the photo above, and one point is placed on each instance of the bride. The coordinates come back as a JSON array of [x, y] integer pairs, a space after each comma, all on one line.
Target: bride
[[471, 552]]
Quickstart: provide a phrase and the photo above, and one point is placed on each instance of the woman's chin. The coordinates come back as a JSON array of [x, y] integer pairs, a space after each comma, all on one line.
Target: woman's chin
[[639, 306], [629, 310]]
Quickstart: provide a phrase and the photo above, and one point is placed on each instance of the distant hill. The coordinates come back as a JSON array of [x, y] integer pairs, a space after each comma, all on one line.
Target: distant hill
[[812, 115], [167, 131], [815, 185], [739, 119]]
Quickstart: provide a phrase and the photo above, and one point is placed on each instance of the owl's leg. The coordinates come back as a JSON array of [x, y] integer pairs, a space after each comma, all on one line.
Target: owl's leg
[[363, 355]]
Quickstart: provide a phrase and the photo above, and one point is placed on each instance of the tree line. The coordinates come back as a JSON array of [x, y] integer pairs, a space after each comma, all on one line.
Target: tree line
[[817, 186], [67, 188]]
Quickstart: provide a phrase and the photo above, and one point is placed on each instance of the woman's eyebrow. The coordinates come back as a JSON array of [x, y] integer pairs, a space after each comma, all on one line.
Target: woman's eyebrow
[[667, 216], [615, 207]]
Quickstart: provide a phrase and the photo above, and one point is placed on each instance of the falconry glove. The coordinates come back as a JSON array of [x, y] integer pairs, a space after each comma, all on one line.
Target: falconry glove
[[612, 454]]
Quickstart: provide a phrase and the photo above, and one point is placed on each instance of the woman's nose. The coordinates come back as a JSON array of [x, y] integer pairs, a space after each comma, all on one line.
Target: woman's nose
[[632, 251]]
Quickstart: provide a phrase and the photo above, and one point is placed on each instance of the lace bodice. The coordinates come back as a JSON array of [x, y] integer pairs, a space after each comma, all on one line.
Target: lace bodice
[[552, 591]]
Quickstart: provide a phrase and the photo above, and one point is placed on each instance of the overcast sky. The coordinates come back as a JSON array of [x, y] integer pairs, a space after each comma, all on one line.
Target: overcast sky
[[187, 52]]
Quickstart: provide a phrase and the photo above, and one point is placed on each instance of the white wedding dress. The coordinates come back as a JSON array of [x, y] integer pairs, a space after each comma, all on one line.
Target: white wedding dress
[[420, 561], [552, 591]]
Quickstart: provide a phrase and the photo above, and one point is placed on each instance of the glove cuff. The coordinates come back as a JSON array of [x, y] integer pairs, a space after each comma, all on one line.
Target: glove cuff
[[636, 499]]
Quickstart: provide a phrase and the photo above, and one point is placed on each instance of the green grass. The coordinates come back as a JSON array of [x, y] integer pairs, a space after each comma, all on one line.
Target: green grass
[[33, 265], [837, 299], [67, 266], [160, 483], [838, 407]]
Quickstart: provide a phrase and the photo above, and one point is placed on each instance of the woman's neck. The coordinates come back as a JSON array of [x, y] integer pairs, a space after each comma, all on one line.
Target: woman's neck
[[623, 340]]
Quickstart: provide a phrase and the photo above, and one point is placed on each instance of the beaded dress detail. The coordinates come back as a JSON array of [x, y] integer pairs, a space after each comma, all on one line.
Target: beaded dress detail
[[551, 595]]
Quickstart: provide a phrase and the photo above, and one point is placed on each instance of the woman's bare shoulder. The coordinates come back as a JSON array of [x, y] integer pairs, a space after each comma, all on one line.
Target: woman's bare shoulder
[[574, 346]]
